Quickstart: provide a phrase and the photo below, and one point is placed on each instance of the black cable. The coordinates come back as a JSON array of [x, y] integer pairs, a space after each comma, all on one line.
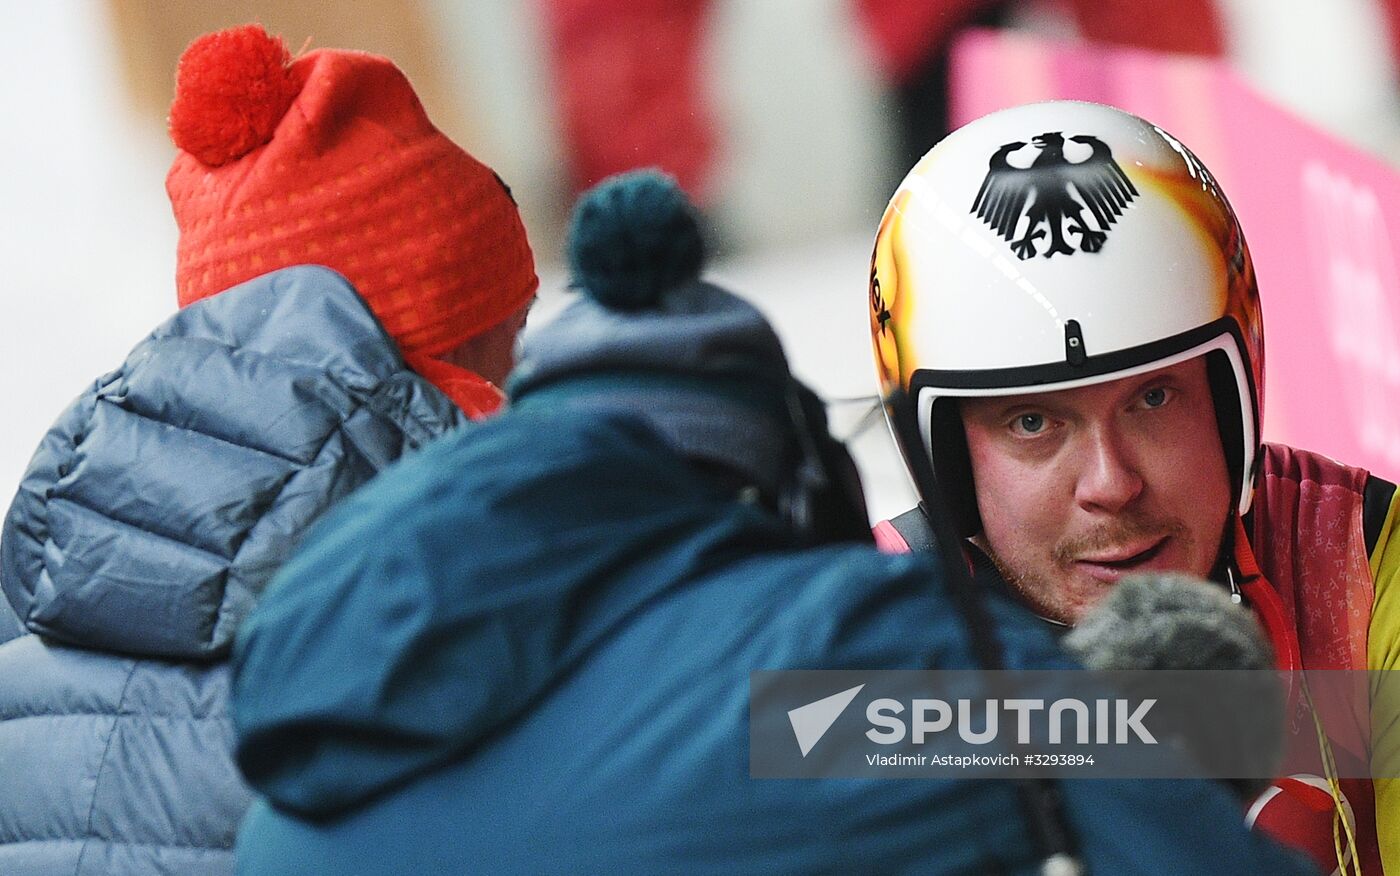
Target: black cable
[[867, 419], [1040, 799]]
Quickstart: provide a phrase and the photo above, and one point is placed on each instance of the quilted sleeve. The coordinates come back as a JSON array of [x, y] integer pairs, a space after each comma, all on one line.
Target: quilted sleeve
[[25, 534]]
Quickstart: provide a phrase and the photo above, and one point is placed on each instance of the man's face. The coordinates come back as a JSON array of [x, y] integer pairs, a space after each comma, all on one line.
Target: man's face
[[1080, 487]]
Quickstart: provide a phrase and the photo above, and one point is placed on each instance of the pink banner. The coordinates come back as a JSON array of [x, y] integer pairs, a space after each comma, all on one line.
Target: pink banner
[[1320, 218]]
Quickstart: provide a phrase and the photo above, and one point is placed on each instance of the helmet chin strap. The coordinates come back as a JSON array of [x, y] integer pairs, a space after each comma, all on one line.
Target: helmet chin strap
[[1235, 595], [1240, 571], [1226, 571]]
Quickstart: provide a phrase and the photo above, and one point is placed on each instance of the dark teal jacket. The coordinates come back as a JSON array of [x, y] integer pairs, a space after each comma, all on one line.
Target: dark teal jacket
[[149, 521], [527, 649]]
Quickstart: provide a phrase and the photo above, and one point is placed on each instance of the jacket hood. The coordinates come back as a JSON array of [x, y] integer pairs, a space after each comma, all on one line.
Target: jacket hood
[[501, 559], [159, 504]]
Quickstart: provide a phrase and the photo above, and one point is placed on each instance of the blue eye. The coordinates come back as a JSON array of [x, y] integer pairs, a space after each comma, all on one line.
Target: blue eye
[[1155, 398], [1030, 424]]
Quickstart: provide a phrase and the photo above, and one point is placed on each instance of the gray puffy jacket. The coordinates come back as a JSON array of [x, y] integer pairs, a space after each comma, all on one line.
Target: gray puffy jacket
[[148, 522]]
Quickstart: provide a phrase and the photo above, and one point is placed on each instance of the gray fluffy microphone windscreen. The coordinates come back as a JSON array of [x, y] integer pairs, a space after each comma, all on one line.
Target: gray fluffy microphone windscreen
[[1178, 622], [1169, 621]]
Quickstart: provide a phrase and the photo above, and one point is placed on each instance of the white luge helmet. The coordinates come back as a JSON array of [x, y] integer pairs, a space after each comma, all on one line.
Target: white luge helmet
[[1058, 245]]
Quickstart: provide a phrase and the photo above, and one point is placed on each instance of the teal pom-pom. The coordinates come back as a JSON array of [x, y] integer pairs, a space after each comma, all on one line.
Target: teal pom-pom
[[633, 237]]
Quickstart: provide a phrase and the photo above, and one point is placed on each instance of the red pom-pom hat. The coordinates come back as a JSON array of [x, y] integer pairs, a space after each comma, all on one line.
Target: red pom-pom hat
[[234, 86], [330, 159]]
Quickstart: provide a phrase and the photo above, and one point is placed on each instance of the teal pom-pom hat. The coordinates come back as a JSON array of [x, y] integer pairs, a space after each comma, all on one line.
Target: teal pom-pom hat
[[634, 237], [649, 337]]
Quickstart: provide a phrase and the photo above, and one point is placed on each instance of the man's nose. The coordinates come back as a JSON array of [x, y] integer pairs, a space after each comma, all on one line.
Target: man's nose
[[1109, 478]]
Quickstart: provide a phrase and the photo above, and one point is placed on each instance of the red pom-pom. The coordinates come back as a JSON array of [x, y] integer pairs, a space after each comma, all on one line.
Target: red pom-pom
[[232, 87]]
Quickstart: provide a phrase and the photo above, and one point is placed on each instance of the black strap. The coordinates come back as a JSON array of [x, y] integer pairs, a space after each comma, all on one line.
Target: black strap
[[914, 528], [1375, 501]]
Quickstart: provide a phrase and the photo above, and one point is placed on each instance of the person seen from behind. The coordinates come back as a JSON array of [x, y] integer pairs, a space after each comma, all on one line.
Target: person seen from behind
[[350, 285]]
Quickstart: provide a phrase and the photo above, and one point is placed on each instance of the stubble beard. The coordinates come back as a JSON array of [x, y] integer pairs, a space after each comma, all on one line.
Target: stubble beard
[[1042, 592]]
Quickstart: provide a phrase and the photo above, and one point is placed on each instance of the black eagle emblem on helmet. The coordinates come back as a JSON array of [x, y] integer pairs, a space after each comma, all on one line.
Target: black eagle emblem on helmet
[[1058, 191]]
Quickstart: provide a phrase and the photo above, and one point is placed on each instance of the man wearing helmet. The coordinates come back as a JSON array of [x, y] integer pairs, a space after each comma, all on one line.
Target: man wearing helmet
[[1066, 298]]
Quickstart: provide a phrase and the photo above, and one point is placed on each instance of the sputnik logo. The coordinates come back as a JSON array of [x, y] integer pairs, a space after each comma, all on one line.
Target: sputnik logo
[[810, 722]]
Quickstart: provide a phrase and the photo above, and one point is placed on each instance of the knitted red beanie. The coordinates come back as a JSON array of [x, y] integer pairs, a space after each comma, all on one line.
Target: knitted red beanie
[[331, 160]]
